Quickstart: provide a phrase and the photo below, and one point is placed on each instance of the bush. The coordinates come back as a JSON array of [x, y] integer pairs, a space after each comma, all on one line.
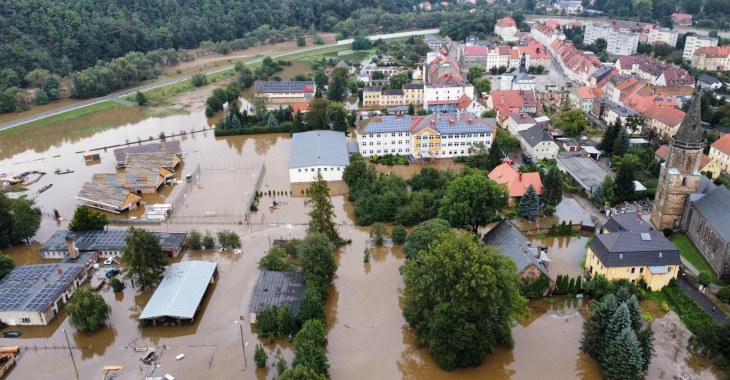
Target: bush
[[724, 294], [229, 239], [199, 80], [399, 234], [704, 278], [664, 306], [275, 260], [208, 241], [275, 321], [668, 232], [194, 239], [378, 233], [292, 247], [117, 285], [260, 356]]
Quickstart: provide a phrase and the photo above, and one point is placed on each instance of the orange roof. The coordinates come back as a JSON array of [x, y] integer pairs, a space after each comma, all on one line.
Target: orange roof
[[517, 183], [723, 144], [506, 22], [662, 152], [704, 161], [713, 51], [669, 116], [477, 50], [555, 24], [509, 101], [300, 107], [586, 92], [464, 102]]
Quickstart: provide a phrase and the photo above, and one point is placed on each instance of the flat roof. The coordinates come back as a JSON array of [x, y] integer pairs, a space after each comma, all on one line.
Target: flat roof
[[584, 170], [181, 291], [35, 287], [317, 148], [279, 289]]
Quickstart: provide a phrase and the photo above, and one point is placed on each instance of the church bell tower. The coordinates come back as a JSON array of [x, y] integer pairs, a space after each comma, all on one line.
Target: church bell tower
[[679, 176]]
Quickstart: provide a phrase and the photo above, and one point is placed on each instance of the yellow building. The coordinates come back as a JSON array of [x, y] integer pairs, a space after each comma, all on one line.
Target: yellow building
[[634, 256]]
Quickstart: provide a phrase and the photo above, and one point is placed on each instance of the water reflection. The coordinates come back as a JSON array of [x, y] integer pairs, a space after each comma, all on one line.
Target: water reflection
[[94, 344]]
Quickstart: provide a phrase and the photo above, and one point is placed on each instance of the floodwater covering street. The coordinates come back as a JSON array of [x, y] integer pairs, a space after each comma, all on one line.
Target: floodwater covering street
[[368, 336]]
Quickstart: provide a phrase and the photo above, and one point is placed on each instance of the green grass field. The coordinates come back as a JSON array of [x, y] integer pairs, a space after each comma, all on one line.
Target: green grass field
[[66, 116], [691, 254]]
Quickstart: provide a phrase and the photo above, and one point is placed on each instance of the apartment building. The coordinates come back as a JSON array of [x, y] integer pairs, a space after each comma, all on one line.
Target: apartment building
[[712, 58], [665, 35], [622, 43], [695, 42]]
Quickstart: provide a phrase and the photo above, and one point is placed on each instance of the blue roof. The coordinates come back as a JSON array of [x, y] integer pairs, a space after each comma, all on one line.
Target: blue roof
[[318, 148], [293, 86], [388, 124]]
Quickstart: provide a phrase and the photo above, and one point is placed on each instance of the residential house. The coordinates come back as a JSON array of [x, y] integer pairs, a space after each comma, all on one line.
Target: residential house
[[432, 136], [537, 142], [371, 96], [518, 122], [681, 19], [595, 31], [569, 7], [665, 35], [516, 182], [507, 102], [578, 66], [287, 91], [711, 58], [720, 156], [379, 97], [535, 54], [582, 98], [506, 29], [466, 104], [708, 83], [517, 80], [545, 34], [692, 43], [531, 262], [444, 84], [706, 223], [628, 222], [472, 55], [634, 256], [665, 121], [433, 42], [654, 70]]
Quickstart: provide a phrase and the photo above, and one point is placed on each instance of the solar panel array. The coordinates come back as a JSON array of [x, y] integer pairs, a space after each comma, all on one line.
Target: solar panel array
[[444, 128], [35, 287], [389, 124], [101, 240], [44, 298], [284, 86], [120, 154]]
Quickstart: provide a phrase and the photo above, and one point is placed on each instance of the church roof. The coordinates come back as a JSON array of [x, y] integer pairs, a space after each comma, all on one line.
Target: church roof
[[690, 131]]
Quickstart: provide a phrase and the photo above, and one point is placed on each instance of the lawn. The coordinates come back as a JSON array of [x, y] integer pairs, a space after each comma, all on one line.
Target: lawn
[[66, 116], [690, 253]]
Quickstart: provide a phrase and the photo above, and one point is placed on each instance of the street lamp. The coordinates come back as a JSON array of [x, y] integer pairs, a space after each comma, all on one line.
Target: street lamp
[[243, 346], [268, 237], [71, 353]]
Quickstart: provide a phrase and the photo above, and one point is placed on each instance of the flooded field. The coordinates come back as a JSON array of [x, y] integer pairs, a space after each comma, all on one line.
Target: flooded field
[[368, 336]]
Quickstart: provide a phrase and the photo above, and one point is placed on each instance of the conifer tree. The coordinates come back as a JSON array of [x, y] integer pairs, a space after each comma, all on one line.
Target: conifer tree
[[625, 187], [321, 216], [621, 145], [530, 203], [623, 357], [596, 196], [609, 136]]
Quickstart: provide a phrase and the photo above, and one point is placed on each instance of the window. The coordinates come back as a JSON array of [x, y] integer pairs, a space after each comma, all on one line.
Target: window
[[338, 168], [325, 169], [24, 320], [633, 270], [641, 270], [669, 269], [306, 170], [300, 170]]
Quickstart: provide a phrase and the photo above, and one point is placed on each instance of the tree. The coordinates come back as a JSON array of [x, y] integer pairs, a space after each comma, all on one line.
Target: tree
[[301, 372], [320, 78], [309, 347], [397, 81], [471, 201], [424, 234], [26, 221], [87, 311], [506, 142], [399, 234], [37, 78], [260, 356], [40, 98], [572, 122], [317, 117], [312, 305], [609, 136], [361, 42], [458, 312], [86, 219], [317, 261], [482, 85], [552, 188], [704, 278], [378, 233], [494, 158], [259, 103], [635, 122], [596, 196], [141, 98], [143, 257], [530, 203], [321, 215], [625, 186], [281, 365], [6, 222], [621, 145], [199, 80], [6, 265], [229, 239], [301, 41], [275, 260], [337, 87], [475, 72], [609, 189], [337, 114]]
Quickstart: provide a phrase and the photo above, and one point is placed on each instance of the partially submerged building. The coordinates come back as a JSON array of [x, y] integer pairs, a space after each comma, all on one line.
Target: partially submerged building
[[105, 243], [106, 197], [170, 146], [277, 289], [317, 151], [180, 294], [136, 182], [531, 261], [33, 294], [164, 163]]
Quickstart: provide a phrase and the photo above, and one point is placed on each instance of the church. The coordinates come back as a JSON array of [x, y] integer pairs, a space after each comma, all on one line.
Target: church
[[687, 200]]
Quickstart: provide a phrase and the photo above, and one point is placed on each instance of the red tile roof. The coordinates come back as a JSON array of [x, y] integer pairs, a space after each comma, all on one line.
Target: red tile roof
[[517, 183], [663, 153], [713, 51], [681, 17], [472, 51], [506, 22], [586, 92], [300, 107], [669, 116], [464, 102], [510, 101], [723, 144]]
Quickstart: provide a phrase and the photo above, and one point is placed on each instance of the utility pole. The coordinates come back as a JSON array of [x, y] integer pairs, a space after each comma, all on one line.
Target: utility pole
[[71, 353], [243, 346]]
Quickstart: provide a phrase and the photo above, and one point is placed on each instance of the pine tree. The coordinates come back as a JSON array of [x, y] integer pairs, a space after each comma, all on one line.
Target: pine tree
[[620, 320], [609, 136], [594, 329], [494, 156], [530, 203], [272, 122], [234, 123], [621, 145], [552, 189], [625, 183], [623, 357], [322, 213], [597, 195]]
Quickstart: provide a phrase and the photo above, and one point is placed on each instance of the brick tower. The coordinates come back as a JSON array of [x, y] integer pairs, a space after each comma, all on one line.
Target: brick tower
[[679, 176]]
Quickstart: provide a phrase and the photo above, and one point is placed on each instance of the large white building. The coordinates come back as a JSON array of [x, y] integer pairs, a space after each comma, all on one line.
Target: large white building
[[666, 35], [430, 136], [506, 29], [595, 31], [622, 43], [695, 42], [317, 151]]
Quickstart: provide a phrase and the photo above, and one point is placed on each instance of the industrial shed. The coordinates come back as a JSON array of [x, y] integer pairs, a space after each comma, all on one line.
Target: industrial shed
[[317, 151], [277, 289], [179, 295], [583, 170]]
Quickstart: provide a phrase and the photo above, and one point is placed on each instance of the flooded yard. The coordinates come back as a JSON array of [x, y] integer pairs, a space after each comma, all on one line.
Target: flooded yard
[[368, 336]]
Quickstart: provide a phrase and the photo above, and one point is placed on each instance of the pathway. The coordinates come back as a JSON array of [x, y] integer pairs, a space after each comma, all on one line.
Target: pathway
[[588, 207], [701, 300]]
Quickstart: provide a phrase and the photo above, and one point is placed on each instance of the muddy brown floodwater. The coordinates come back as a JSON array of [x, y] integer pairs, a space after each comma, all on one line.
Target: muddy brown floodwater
[[368, 336]]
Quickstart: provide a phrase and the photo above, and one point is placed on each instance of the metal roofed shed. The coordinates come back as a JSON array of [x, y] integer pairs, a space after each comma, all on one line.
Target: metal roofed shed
[[179, 295], [317, 151], [106, 197], [277, 289], [120, 154], [584, 171]]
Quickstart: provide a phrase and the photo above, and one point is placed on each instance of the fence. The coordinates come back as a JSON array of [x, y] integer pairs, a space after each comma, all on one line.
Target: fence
[[256, 188]]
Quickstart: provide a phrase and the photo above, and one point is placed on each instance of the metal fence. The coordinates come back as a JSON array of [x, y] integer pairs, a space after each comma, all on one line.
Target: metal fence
[[187, 188], [256, 188]]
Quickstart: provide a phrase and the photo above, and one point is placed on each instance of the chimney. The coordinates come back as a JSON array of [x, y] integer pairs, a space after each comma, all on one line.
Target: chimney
[[71, 245], [502, 101], [651, 229], [45, 279], [628, 230], [520, 176], [638, 215], [60, 271]]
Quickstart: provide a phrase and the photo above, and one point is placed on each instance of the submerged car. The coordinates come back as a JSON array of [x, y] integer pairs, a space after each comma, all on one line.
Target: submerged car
[[11, 334]]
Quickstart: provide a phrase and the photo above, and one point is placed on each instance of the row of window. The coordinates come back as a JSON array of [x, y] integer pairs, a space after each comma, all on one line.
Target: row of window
[[401, 150], [451, 136], [306, 170], [400, 142]]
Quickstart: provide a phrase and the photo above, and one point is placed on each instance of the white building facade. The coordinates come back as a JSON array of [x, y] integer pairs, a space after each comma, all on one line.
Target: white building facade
[[317, 151], [595, 31], [622, 43], [695, 42], [664, 35]]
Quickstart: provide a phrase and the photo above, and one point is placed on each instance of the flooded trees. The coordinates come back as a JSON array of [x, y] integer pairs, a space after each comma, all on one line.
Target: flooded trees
[[456, 310], [143, 257], [317, 261], [309, 348], [472, 201], [6, 265], [422, 235], [87, 311], [26, 220], [322, 213], [86, 219]]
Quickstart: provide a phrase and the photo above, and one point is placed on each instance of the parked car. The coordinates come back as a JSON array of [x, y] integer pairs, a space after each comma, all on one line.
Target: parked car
[[110, 272], [11, 334]]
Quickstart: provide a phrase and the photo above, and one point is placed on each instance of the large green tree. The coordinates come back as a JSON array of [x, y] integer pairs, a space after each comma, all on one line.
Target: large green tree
[[317, 261], [317, 117], [461, 298], [471, 201], [337, 114], [475, 72], [309, 346], [609, 136], [26, 221], [6, 222], [625, 187], [423, 235], [86, 219], [529, 203], [482, 86], [301, 372], [6, 265], [143, 257], [337, 87], [259, 103], [552, 187], [87, 311], [322, 213], [621, 144], [572, 122]]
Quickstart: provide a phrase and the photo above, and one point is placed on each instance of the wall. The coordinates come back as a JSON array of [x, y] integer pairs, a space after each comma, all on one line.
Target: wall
[[710, 244], [655, 281], [329, 173]]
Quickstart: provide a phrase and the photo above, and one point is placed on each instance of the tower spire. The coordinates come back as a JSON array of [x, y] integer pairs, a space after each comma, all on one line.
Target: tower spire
[[690, 131]]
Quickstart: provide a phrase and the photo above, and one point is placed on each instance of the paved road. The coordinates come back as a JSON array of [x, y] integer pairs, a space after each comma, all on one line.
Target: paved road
[[701, 300], [118, 95]]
